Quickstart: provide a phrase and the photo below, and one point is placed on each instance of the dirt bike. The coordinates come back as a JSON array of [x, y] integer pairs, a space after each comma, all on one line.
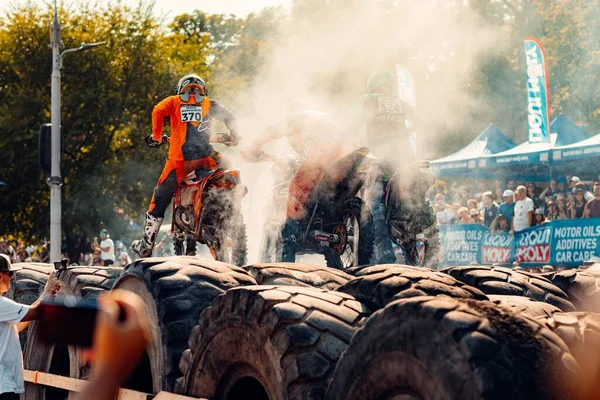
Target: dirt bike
[[409, 216], [338, 225], [206, 209]]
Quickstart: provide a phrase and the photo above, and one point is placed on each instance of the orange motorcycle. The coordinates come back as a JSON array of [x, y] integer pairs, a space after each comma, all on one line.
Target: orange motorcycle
[[207, 209]]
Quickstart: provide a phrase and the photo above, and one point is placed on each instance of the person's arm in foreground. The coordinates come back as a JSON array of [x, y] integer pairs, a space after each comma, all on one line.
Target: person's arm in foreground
[[52, 287], [118, 345]]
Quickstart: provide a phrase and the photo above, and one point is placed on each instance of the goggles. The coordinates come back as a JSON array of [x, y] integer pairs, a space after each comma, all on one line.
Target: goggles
[[192, 90]]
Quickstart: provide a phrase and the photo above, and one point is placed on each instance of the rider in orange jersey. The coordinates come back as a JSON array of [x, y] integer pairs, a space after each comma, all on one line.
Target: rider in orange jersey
[[190, 112]]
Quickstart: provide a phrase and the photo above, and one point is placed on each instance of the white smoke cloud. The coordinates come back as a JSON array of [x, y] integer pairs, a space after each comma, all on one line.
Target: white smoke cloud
[[326, 56]]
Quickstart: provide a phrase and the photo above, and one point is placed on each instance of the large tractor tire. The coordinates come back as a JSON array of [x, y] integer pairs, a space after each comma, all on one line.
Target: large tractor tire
[[269, 343], [583, 287], [500, 280], [525, 305], [27, 286], [436, 348], [581, 332], [175, 290], [379, 285], [298, 275], [87, 282], [28, 283]]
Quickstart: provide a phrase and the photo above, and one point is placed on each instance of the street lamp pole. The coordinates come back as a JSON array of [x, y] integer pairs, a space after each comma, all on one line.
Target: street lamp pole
[[55, 180]]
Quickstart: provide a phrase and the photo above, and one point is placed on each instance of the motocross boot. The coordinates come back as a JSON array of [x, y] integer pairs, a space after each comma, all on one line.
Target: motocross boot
[[145, 246], [291, 235]]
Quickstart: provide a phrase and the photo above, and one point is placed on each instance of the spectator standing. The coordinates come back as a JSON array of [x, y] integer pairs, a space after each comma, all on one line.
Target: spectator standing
[[44, 254], [124, 259], [96, 260], [531, 193], [573, 181], [464, 217], [587, 195], [577, 206], [9, 250], [472, 204], [15, 317], [551, 211], [561, 209], [592, 208], [107, 248], [475, 216], [490, 209], [507, 208], [502, 224], [523, 217], [440, 190], [538, 217], [550, 191], [499, 189], [22, 254], [443, 211], [511, 185]]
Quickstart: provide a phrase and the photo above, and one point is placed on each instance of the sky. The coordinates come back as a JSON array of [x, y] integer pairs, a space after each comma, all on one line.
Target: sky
[[176, 7]]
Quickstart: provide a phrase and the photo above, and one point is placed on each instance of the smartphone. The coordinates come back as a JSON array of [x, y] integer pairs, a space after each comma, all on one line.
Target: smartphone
[[68, 320]]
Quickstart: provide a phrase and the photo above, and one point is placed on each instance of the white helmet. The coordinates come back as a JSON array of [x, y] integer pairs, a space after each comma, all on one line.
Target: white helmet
[[191, 84]]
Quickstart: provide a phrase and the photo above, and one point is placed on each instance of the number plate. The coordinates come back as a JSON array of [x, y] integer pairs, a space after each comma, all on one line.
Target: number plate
[[191, 113], [389, 105]]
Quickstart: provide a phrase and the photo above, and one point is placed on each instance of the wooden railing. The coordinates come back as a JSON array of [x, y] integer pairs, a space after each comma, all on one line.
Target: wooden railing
[[76, 385]]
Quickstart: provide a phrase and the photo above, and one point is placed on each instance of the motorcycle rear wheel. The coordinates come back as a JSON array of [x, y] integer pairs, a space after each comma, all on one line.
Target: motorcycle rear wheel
[[356, 216]]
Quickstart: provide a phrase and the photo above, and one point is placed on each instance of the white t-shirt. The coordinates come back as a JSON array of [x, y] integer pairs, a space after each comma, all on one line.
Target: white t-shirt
[[522, 209], [110, 254], [11, 357]]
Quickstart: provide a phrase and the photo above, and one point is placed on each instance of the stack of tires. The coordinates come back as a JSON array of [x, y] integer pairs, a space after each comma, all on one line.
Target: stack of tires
[[292, 331]]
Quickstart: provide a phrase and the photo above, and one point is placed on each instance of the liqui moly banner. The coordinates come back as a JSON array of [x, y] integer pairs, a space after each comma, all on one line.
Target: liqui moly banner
[[538, 92], [496, 249], [533, 245], [569, 242]]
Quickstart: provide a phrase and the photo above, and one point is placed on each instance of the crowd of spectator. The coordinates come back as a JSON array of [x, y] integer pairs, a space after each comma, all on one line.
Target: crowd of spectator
[[105, 253], [513, 207], [99, 251]]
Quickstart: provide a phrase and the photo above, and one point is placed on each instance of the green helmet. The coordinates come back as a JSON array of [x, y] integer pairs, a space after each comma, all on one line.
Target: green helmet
[[382, 82]]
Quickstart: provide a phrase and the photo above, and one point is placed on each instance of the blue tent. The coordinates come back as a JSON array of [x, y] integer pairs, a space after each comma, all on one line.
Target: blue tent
[[585, 149], [564, 133], [464, 162]]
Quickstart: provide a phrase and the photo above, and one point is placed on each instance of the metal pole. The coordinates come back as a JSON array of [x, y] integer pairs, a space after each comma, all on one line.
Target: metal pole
[[55, 177]]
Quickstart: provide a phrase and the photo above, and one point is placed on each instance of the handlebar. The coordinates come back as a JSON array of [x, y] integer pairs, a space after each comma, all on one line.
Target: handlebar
[[221, 137]]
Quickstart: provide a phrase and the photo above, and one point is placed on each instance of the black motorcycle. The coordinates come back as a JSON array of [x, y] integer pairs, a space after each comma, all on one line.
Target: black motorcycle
[[339, 225]]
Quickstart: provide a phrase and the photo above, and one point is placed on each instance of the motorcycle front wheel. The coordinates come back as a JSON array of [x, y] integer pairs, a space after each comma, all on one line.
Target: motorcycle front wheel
[[231, 242], [357, 238]]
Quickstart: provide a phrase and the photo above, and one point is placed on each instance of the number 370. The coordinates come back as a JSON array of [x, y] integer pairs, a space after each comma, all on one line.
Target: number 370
[[191, 116]]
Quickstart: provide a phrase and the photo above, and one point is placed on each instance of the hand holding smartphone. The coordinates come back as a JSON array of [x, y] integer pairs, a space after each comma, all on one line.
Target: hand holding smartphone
[[67, 319]]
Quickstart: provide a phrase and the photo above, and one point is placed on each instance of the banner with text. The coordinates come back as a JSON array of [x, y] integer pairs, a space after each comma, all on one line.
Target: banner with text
[[538, 92], [563, 242]]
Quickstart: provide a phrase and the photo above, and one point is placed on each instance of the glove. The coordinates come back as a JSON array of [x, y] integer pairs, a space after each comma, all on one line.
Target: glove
[[234, 139], [154, 143]]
